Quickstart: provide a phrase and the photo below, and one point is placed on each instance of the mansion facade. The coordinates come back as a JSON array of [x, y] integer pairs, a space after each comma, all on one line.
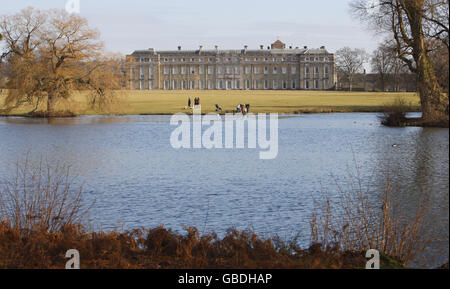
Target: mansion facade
[[275, 67]]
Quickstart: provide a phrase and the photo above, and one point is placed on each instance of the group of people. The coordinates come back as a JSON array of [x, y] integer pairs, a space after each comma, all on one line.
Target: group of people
[[196, 102], [244, 109]]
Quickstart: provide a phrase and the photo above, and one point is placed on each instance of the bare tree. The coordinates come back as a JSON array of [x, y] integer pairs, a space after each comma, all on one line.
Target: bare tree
[[381, 63], [52, 53], [412, 24], [350, 62]]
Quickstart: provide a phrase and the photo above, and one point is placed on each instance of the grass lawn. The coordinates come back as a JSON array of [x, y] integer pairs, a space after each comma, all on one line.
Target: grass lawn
[[283, 102]]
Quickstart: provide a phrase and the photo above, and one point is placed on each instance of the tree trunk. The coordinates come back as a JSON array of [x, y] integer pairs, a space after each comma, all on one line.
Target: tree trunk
[[434, 103], [51, 106]]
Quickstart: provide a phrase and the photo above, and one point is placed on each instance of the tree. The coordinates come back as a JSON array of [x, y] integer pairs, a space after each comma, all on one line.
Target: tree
[[381, 63], [350, 62], [51, 53], [413, 24]]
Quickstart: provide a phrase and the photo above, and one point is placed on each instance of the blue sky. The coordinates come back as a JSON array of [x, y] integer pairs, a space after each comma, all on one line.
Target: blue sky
[[140, 24]]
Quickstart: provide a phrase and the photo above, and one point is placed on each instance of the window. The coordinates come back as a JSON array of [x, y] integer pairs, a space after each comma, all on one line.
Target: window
[[141, 85], [316, 70], [326, 70], [275, 70], [283, 70], [256, 70], [150, 84], [266, 84], [284, 84], [166, 85], [238, 84], [202, 70], [275, 84], [192, 84], [166, 70], [141, 73], [166, 59], [200, 84], [325, 84], [183, 70], [294, 84], [229, 84], [306, 84], [174, 70], [237, 70], [192, 59], [210, 84], [256, 86], [210, 70], [150, 72], [192, 70], [307, 70], [228, 70], [316, 84], [293, 70], [266, 70], [248, 70], [183, 85], [220, 84], [174, 84], [219, 70]]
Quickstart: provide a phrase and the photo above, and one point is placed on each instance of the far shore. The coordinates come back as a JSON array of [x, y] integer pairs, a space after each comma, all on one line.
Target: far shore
[[261, 101]]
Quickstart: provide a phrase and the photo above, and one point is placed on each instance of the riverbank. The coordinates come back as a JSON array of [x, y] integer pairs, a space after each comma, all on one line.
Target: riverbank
[[160, 248], [262, 101]]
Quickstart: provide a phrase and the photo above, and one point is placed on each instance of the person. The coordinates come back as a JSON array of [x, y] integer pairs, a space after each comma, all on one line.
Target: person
[[198, 100], [189, 102], [247, 106], [238, 108]]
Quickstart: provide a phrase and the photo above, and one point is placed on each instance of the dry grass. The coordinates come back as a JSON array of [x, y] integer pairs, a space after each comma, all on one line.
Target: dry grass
[[262, 101], [358, 222]]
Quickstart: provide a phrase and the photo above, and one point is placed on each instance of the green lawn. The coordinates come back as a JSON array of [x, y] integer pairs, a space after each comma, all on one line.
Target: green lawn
[[283, 102]]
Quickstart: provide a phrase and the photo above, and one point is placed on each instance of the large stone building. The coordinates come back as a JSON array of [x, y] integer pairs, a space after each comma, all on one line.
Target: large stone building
[[275, 67]]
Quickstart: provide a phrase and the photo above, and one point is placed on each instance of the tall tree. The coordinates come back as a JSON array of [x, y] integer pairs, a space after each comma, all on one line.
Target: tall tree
[[412, 24], [52, 53], [350, 62]]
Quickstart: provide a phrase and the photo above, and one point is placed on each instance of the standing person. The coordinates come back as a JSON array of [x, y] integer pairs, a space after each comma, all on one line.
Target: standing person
[[248, 107], [189, 102], [198, 100]]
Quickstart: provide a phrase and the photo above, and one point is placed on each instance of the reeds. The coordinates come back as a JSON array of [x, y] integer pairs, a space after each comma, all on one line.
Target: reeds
[[361, 220], [40, 198]]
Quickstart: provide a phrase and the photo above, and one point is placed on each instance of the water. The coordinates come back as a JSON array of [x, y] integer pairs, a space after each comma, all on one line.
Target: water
[[135, 177]]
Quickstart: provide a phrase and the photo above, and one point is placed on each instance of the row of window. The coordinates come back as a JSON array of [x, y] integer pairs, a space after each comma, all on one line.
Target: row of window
[[234, 84], [234, 59], [231, 70]]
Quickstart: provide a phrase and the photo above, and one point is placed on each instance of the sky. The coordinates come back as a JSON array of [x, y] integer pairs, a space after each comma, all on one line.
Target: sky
[[130, 25]]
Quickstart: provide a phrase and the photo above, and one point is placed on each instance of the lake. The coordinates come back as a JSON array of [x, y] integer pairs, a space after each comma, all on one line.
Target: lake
[[134, 178]]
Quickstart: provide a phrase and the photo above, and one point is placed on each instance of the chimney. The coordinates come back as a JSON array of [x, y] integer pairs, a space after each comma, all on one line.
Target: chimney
[[217, 47], [179, 48], [200, 49], [245, 48], [262, 47]]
